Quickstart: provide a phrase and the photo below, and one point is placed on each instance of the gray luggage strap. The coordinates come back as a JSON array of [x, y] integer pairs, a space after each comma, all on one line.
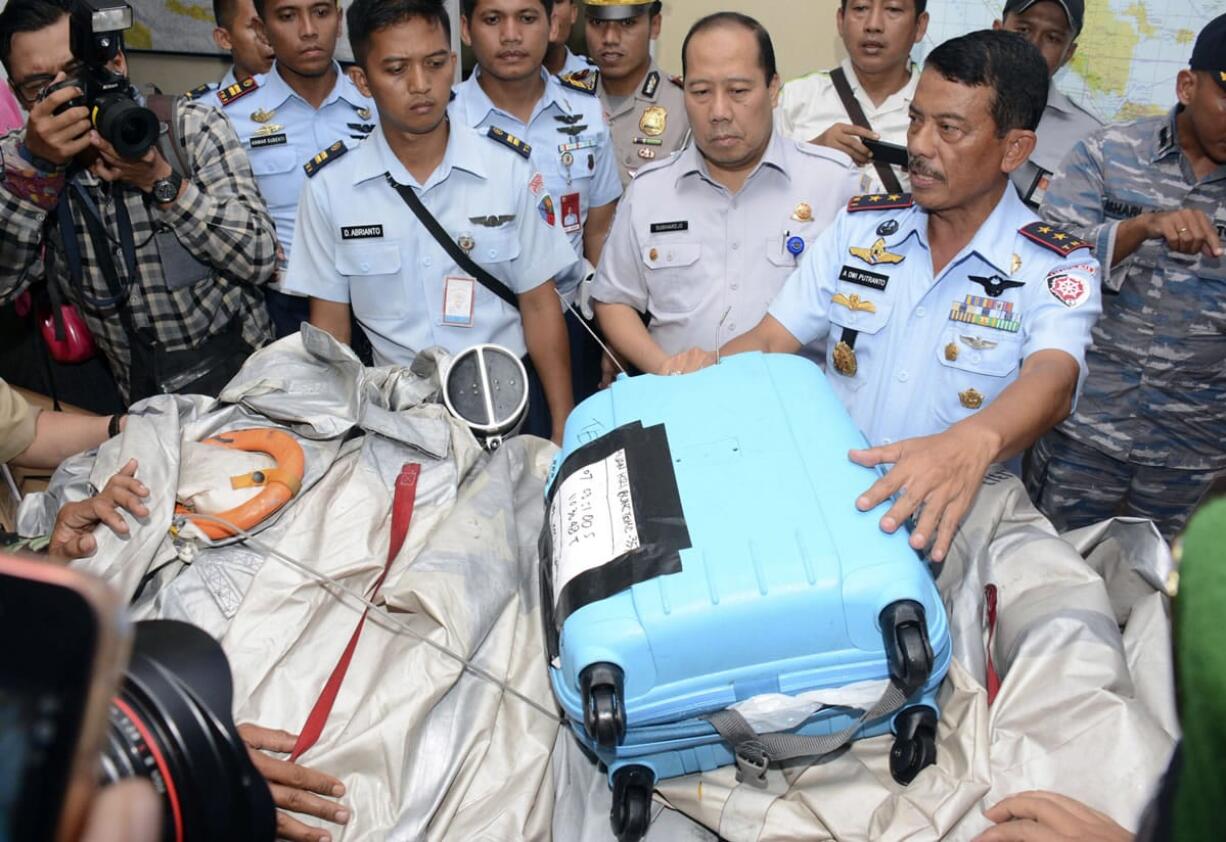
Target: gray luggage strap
[[754, 751]]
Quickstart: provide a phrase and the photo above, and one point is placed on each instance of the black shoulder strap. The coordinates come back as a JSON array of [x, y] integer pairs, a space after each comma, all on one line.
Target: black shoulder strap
[[451, 247], [166, 108], [852, 106]]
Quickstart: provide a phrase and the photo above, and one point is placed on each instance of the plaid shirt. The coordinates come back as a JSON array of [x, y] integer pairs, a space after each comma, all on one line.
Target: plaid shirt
[[219, 218]]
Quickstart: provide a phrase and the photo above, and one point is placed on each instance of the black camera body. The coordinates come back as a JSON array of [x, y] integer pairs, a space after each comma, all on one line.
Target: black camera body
[[96, 37]]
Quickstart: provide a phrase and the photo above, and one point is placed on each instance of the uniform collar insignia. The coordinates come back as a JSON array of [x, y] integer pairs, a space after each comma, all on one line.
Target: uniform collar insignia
[[650, 84]]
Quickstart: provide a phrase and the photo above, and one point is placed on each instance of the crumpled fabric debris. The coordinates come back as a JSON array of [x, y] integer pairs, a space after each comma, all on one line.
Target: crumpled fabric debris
[[428, 750]]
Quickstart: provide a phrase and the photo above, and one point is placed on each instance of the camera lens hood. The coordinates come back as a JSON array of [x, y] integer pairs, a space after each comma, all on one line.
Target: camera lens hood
[[172, 723]]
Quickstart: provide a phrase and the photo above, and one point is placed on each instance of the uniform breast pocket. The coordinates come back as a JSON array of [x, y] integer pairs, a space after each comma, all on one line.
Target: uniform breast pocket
[[276, 169], [500, 245], [788, 248], [856, 344], [376, 289], [673, 286], [977, 364], [272, 160]]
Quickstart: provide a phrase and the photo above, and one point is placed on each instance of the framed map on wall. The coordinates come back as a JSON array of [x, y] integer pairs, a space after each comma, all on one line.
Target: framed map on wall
[[1127, 56]]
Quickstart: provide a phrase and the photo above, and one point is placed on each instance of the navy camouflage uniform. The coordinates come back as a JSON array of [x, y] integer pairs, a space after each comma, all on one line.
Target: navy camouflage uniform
[[1147, 436]]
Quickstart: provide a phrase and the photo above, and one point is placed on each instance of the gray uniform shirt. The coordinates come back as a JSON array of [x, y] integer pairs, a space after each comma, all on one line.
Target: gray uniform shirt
[[1064, 123], [685, 250], [649, 126], [1156, 394]]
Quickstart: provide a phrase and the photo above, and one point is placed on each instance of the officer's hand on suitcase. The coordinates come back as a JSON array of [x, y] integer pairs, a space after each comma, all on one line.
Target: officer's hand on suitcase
[[687, 361], [937, 476], [1048, 817], [293, 787]]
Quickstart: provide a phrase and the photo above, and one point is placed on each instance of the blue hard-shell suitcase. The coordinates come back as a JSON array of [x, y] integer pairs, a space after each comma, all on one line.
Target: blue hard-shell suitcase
[[702, 547]]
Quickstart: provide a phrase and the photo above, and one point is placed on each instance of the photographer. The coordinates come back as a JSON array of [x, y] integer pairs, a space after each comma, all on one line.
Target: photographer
[[162, 257]]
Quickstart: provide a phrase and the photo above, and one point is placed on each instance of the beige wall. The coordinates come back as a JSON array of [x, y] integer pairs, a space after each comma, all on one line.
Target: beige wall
[[802, 30], [174, 74]]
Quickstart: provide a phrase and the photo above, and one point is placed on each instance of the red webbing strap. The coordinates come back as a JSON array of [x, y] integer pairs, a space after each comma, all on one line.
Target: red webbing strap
[[993, 677], [402, 515]]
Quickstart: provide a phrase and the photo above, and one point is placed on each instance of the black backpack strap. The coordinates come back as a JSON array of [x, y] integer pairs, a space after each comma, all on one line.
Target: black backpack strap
[[852, 106], [170, 143], [451, 247]]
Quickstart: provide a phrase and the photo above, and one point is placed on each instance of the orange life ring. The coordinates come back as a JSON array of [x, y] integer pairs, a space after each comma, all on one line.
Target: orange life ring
[[280, 483]]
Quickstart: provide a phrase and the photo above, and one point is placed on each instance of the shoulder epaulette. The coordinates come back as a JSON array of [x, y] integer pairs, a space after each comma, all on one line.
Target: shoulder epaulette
[[196, 93], [879, 201], [327, 156], [581, 80], [239, 89], [510, 141], [650, 84], [1051, 237]]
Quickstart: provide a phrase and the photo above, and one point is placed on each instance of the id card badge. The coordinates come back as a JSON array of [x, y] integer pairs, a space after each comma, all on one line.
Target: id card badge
[[1038, 187], [572, 221], [459, 298]]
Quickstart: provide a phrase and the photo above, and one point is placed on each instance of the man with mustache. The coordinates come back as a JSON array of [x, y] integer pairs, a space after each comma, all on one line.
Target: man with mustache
[[1053, 27], [957, 322], [1148, 436], [645, 106], [363, 249], [563, 132], [302, 105], [704, 240], [880, 80]]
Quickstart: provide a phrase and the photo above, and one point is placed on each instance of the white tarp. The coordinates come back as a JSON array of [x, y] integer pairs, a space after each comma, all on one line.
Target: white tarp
[[430, 751]]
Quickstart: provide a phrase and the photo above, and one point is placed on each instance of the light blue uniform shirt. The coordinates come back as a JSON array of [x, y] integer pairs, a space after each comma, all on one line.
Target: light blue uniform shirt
[[563, 117], [574, 63], [926, 347], [360, 244], [291, 133]]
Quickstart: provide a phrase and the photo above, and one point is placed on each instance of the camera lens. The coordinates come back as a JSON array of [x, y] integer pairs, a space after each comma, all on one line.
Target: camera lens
[[171, 723], [129, 127]]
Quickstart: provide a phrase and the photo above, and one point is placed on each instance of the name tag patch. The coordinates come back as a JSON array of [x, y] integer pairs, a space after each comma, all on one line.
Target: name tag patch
[[361, 232], [268, 140], [662, 227], [863, 277]]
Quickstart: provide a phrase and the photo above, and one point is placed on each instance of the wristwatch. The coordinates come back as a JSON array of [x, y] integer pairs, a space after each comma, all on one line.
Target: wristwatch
[[166, 190]]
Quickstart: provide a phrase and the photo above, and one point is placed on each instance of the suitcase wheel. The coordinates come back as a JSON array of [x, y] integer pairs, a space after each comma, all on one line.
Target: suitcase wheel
[[631, 813], [905, 633], [916, 744], [604, 705]]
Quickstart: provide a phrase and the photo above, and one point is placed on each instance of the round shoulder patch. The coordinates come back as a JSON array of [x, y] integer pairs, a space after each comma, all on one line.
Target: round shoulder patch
[[1069, 287]]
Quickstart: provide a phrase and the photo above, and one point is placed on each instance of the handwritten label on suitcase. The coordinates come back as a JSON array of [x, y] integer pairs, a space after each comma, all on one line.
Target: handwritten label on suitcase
[[592, 519]]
